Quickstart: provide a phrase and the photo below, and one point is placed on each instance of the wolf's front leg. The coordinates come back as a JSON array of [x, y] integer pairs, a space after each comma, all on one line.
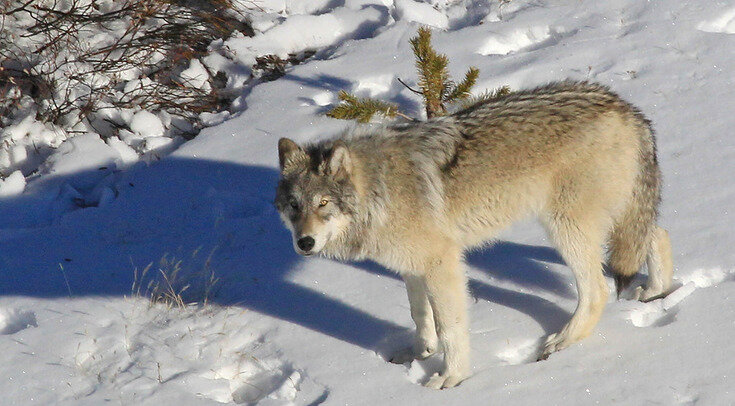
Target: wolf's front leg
[[446, 289], [425, 342]]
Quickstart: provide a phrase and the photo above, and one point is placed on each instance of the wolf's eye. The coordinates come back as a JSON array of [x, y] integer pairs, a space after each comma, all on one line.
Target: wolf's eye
[[323, 202], [294, 204]]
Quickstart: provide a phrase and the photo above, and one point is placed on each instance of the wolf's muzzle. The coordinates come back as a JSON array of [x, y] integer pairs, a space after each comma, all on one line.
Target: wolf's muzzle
[[305, 243]]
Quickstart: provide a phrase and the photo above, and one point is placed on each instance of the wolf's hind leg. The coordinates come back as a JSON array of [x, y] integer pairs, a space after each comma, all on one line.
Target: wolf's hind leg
[[580, 244], [660, 267], [425, 342], [446, 288]]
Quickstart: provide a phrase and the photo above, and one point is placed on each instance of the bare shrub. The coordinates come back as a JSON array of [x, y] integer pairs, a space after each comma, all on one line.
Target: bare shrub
[[271, 67], [79, 59]]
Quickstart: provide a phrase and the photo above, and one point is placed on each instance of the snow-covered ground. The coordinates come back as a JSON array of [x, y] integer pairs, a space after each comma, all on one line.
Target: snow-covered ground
[[287, 330]]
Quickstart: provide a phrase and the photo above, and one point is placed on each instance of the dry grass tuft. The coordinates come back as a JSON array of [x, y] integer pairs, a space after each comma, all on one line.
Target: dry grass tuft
[[175, 285]]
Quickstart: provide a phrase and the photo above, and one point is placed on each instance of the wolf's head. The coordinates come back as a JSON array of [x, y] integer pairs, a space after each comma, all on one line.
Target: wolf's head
[[315, 196]]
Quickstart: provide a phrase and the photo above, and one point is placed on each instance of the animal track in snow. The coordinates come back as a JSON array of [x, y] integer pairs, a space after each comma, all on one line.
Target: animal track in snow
[[252, 381], [659, 313], [522, 353], [513, 41], [420, 370], [653, 314], [704, 278], [205, 352], [15, 320], [724, 23]]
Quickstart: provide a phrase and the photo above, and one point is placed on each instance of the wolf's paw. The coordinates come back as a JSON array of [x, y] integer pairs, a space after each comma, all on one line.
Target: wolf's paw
[[553, 343], [444, 381], [647, 295], [409, 354]]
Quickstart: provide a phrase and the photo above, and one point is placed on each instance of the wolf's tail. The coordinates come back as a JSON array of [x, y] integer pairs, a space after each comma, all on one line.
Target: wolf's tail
[[635, 235]]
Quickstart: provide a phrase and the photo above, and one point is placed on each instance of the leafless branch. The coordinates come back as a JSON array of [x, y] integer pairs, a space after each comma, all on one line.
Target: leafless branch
[[72, 80]]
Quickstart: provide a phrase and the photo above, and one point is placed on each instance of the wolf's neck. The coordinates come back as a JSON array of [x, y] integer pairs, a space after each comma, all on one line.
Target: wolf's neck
[[370, 214], [372, 191]]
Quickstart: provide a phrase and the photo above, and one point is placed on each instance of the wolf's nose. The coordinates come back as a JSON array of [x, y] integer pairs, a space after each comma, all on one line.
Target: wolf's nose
[[305, 243]]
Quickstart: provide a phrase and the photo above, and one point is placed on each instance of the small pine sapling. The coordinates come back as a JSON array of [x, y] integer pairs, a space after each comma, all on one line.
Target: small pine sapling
[[435, 86], [361, 109]]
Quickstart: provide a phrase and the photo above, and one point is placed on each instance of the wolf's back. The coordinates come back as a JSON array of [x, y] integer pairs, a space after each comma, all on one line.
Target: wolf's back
[[539, 122]]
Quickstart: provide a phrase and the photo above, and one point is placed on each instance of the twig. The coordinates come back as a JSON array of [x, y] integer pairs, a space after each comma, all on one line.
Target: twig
[[399, 114], [20, 8], [409, 87]]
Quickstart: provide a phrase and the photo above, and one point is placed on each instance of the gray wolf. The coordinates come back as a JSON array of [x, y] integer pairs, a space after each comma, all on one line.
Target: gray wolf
[[413, 197]]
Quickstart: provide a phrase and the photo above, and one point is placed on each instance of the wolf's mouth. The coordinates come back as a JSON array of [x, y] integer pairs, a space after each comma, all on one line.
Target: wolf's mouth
[[304, 253]]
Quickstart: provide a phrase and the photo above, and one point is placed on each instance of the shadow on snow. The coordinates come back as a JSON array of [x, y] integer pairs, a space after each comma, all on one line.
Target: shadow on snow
[[51, 247]]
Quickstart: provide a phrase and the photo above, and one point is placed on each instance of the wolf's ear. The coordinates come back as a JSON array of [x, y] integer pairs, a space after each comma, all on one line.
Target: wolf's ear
[[340, 162], [289, 153]]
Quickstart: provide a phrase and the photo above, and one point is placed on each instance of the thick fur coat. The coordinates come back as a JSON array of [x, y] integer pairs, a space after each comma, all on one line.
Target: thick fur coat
[[413, 197]]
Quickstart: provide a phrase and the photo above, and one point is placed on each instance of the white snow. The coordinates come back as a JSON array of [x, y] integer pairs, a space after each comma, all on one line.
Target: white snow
[[422, 13], [724, 23], [83, 152], [24, 134], [13, 184], [15, 320], [279, 329], [154, 143], [505, 43], [305, 32], [127, 154], [147, 124], [196, 76]]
